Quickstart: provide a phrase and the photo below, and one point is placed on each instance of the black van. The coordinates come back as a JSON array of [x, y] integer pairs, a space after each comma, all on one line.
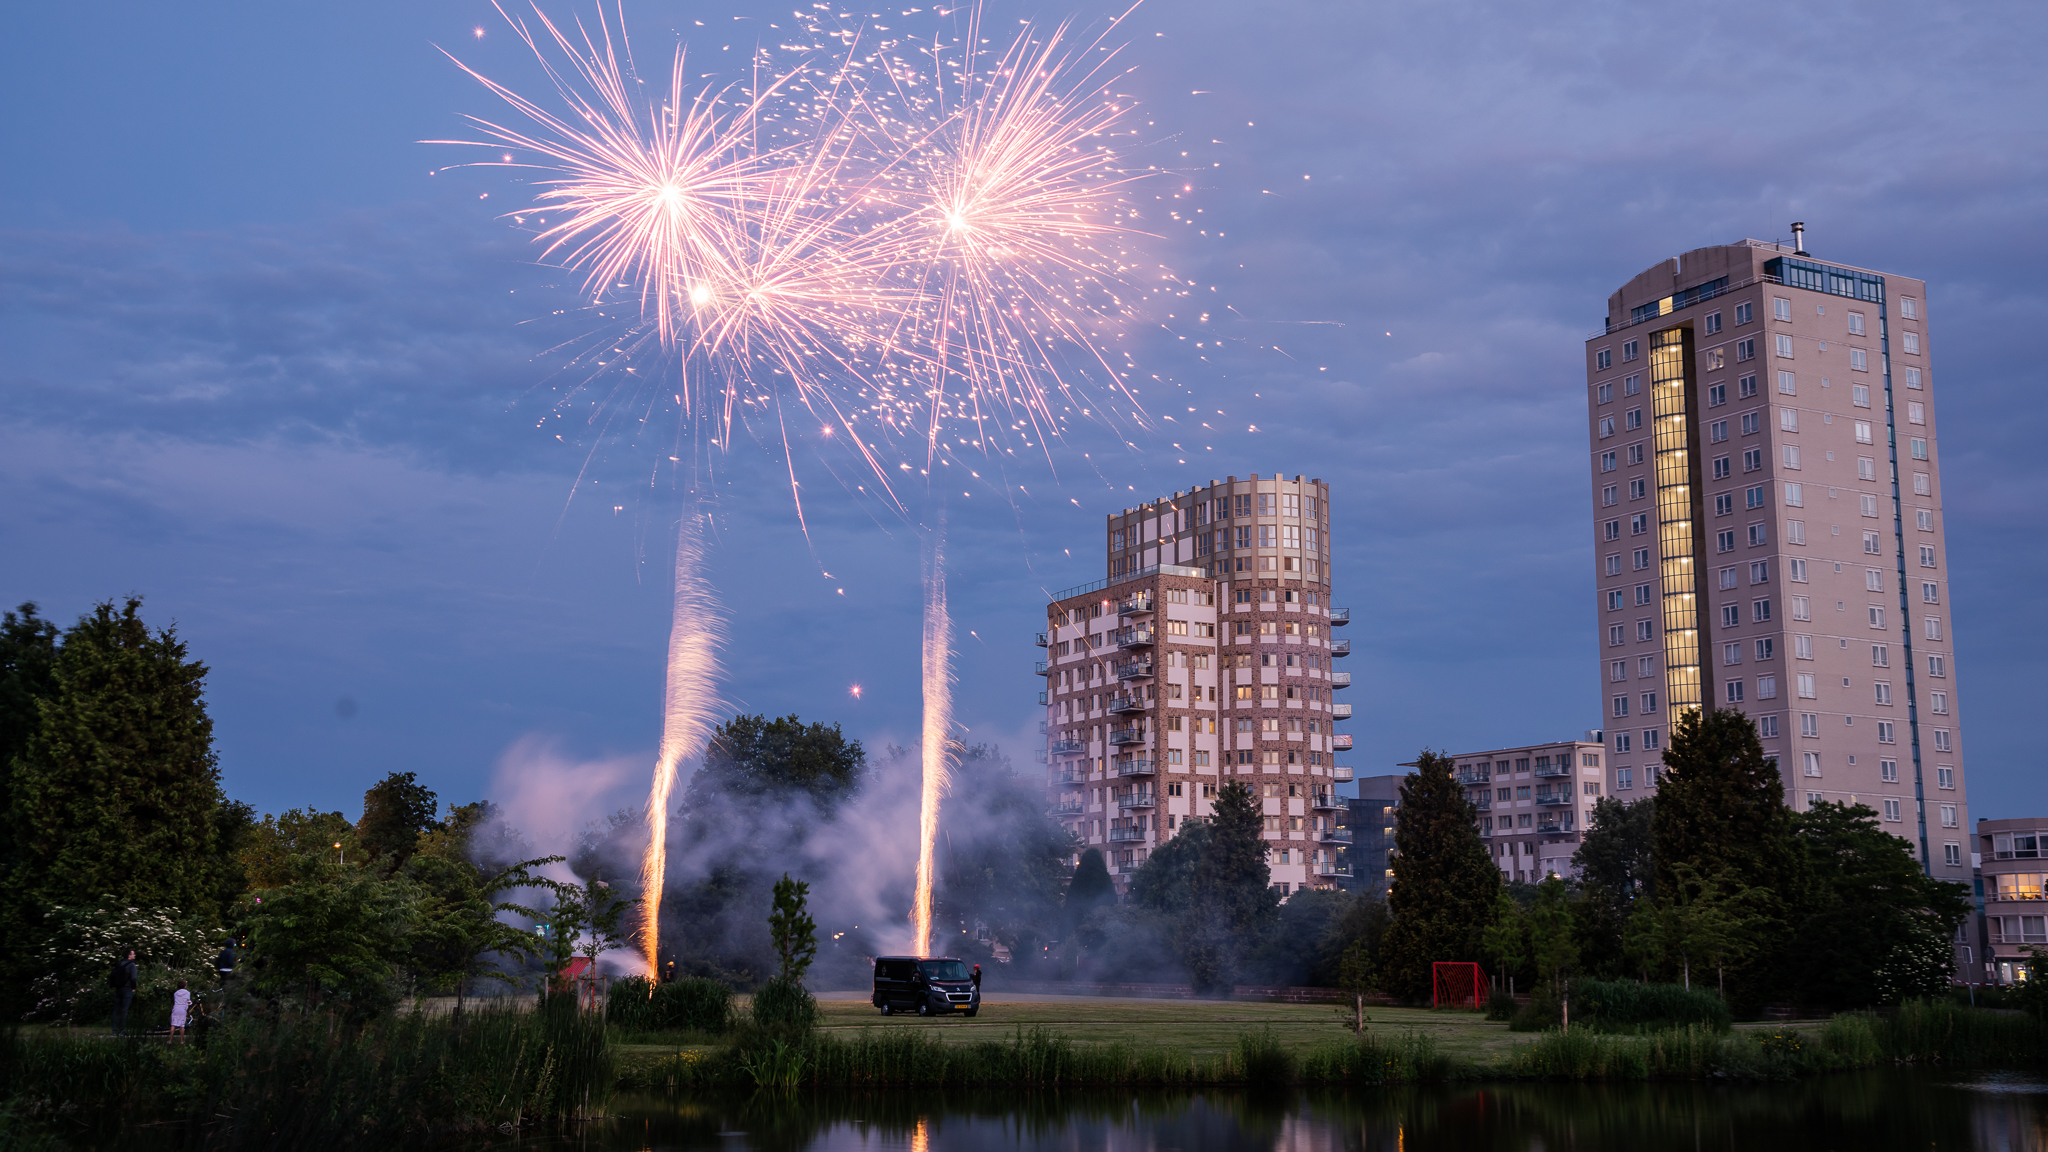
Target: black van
[[930, 985]]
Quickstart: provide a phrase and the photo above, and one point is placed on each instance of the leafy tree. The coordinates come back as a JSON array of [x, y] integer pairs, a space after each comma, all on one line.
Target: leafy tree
[[1616, 868], [1863, 903], [794, 932], [28, 660], [458, 934], [395, 811], [269, 848], [333, 929], [1506, 938], [1551, 943], [1005, 862], [1445, 883], [1355, 975], [1713, 920], [1089, 888], [234, 831], [114, 790], [755, 759]]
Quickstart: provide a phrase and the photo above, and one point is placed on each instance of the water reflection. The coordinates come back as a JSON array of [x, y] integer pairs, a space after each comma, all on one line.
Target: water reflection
[[1872, 1112]]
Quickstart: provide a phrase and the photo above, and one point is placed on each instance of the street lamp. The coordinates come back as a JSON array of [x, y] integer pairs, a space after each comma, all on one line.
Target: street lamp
[[344, 855]]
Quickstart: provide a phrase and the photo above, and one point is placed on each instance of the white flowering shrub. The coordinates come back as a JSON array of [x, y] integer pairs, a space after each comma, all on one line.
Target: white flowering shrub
[[1920, 964], [75, 961]]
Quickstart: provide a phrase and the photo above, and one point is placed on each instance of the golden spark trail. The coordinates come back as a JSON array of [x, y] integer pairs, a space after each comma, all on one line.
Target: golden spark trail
[[689, 709], [938, 729]]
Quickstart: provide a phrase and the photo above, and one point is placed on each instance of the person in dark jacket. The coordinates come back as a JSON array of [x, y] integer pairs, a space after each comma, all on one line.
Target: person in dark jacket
[[977, 977], [225, 962], [123, 980]]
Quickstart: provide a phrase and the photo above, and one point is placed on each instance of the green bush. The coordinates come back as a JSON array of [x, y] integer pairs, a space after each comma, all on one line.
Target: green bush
[[1501, 1005], [690, 1005], [785, 1005], [1626, 1006], [1262, 1059], [1540, 1014]]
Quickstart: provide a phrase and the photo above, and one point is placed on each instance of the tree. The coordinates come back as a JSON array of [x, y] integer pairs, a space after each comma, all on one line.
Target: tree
[[1715, 920], [1445, 882], [794, 932], [269, 848], [1551, 943], [755, 759], [1089, 887], [1863, 903], [1721, 804], [333, 929], [1005, 860], [82, 943], [28, 659], [114, 791], [1234, 902], [1355, 975], [458, 930], [1506, 938], [395, 811], [1616, 869]]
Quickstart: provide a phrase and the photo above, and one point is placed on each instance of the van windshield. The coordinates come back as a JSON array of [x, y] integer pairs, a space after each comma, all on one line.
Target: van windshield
[[943, 969]]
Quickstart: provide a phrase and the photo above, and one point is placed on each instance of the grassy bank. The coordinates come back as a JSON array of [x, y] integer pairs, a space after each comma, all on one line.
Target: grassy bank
[[312, 1082], [1038, 1056]]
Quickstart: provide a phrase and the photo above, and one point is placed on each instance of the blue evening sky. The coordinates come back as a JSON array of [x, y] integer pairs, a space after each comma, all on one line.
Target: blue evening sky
[[264, 369]]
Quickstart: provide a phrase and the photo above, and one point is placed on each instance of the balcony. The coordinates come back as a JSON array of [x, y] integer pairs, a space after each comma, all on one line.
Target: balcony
[[1132, 800], [1041, 667], [1340, 679], [1335, 836], [1341, 773], [1486, 832], [1134, 670], [1483, 804], [1042, 728], [1039, 756], [1071, 806], [1122, 834], [1327, 800], [1340, 711], [1339, 617], [1041, 640], [1341, 743], [1332, 868], [1549, 824], [1133, 638], [1125, 704], [1070, 777], [1042, 699], [1551, 770], [1340, 647], [1065, 747], [1562, 796], [1125, 736], [1471, 776], [1139, 605], [1134, 768]]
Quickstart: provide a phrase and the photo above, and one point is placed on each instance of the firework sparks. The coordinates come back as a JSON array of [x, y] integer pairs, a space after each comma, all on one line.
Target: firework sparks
[[689, 709], [936, 737], [909, 239]]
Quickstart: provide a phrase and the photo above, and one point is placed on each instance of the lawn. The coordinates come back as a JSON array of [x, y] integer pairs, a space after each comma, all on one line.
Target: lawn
[[1193, 1026]]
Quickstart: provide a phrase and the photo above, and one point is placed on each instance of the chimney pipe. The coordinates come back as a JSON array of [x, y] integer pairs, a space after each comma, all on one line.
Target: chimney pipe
[[1799, 238]]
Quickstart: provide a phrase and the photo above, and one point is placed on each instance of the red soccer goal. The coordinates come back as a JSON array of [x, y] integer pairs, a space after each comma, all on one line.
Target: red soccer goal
[[1457, 984]]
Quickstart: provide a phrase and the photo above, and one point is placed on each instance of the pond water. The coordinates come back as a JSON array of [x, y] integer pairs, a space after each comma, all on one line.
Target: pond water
[[1863, 1112]]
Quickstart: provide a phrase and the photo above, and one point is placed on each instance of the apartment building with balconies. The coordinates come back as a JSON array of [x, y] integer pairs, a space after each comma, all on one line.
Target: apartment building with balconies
[[1769, 531], [1204, 656], [2013, 897], [1534, 802]]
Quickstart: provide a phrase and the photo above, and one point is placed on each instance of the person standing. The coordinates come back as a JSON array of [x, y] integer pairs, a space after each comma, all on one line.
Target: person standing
[[123, 980], [181, 1009], [225, 962]]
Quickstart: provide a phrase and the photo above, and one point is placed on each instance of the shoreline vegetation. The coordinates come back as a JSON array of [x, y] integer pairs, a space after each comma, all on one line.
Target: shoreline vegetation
[[319, 1082]]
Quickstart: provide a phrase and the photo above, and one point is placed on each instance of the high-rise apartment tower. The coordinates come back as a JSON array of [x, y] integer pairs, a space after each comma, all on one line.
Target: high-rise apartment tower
[[1768, 520], [1203, 657]]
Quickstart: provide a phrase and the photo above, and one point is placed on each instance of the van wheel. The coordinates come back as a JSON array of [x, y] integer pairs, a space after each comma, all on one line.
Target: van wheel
[[924, 1009], [970, 1013], [887, 1010]]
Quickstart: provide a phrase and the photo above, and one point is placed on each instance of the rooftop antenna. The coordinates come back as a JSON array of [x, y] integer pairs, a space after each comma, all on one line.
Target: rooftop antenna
[[1799, 238]]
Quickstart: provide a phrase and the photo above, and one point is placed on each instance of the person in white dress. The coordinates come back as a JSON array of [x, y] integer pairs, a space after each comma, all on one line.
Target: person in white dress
[[181, 1010]]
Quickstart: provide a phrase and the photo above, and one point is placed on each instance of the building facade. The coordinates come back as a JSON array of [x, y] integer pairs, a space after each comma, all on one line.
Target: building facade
[[1767, 514], [1204, 656], [1366, 857], [1534, 803], [2013, 895]]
